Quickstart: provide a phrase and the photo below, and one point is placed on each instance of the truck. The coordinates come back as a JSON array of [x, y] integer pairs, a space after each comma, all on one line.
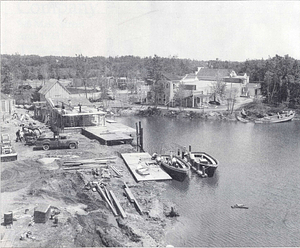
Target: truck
[[58, 141]]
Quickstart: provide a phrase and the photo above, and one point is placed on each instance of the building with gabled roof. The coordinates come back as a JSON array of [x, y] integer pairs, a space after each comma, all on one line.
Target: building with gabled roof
[[53, 89], [211, 74], [201, 83]]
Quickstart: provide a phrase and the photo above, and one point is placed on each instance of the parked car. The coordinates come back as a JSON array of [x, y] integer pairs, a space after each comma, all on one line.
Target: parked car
[[59, 141]]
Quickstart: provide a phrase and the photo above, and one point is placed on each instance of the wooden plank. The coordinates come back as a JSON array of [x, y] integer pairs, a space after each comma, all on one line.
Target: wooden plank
[[100, 191], [108, 195], [116, 170], [138, 206], [155, 172], [117, 203], [132, 198], [129, 194]]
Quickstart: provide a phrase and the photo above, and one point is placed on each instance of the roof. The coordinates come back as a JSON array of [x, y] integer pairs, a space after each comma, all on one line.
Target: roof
[[171, 77], [190, 76], [74, 101], [49, 85], [233, 80], [213, 73], [74, 90], [42, 208]]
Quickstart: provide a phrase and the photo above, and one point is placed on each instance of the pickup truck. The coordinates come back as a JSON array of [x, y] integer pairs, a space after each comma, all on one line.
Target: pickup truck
[[59, 141]]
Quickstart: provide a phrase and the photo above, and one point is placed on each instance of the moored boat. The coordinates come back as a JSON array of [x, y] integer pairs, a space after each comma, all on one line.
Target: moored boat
[[287, 116], [241, 119], [203, 163], [175, 166], [239, 206]]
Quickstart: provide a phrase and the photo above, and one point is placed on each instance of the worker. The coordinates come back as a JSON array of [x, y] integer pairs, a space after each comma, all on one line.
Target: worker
[[158, 159], [154, 156], [18, 136], [174, 162], [21, 135]]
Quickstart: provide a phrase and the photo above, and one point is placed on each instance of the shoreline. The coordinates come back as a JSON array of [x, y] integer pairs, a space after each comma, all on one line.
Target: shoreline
[[38, 177]]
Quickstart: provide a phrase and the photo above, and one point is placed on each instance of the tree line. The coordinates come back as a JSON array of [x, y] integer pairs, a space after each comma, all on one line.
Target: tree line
[[279, 76]]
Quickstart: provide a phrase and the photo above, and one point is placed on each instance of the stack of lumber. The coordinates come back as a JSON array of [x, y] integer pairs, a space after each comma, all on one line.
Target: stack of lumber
[[87, 163], [111, 200]]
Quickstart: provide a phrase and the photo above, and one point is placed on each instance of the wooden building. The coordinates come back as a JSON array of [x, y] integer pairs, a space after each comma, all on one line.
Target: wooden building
[[53, 89], [42, 213], [7, 104]]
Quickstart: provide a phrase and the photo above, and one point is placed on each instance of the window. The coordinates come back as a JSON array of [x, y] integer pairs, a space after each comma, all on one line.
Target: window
[[3, 106]]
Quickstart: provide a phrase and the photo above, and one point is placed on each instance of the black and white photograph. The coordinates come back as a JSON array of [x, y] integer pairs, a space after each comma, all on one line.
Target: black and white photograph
[[150, 124]]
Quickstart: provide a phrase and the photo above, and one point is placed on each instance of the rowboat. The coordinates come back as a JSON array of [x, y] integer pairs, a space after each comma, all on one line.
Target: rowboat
[[203, 163], [239, 206], [241, 119], [287, 116], [175, 166]]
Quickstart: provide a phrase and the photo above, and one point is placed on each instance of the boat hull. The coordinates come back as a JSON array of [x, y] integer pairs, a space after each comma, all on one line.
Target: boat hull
[[241, 119], [276, 119], [208, 163], [178, 174]]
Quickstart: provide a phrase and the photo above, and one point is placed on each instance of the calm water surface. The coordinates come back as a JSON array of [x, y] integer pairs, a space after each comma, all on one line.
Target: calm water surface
[[259, 166]]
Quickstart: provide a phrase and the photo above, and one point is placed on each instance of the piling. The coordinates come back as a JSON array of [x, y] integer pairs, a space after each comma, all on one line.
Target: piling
[[137, 137], [190, 148]]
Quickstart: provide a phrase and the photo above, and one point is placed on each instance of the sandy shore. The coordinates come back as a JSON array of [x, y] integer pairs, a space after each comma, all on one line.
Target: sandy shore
[[84, 218]]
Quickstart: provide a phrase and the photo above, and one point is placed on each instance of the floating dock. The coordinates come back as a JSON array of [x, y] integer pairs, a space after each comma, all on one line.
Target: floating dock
[[107, 136], [133, 160]]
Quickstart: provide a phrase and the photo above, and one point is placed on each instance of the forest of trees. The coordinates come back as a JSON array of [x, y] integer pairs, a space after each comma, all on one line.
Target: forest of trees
[[279, 76]]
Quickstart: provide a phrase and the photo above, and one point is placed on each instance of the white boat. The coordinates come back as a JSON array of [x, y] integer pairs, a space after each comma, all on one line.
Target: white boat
[[288, 116]]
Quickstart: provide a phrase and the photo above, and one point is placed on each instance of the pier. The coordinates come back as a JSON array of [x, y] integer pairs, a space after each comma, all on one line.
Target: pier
[[134, 161], [111, 134]]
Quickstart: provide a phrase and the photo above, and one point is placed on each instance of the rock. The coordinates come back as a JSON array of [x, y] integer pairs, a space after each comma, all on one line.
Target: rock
[[106, 239], [128, 230], [156, 210], [172, 213]]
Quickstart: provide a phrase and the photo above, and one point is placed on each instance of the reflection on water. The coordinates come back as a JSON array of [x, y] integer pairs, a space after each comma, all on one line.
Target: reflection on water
[[258, 166]]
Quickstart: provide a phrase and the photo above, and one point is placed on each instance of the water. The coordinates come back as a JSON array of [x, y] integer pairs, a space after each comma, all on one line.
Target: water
[[259, 166]]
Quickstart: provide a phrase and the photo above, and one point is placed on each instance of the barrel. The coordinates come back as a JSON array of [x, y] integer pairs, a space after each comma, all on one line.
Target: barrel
[[8, 218]]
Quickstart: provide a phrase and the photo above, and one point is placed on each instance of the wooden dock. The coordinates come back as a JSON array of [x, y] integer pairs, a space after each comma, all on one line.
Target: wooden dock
[[106, 137], [133, 160]]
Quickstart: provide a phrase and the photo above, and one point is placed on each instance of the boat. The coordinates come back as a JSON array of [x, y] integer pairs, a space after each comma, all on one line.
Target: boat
[[239, 206], [175, 166], [203, 163], [241, 119], [278, 118]]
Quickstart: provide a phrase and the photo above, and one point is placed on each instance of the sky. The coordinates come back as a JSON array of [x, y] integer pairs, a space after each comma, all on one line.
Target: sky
[[201, 30]]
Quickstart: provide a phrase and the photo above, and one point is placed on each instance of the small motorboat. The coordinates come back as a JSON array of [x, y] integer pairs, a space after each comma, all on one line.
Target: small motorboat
[[175, 166], [203, 163], [284, 117], [239, 206]]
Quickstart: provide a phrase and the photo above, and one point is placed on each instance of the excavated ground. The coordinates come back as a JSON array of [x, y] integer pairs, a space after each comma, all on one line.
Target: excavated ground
[[84, 219]]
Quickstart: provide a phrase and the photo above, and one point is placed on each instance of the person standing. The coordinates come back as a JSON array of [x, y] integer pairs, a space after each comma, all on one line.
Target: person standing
[[21, 135], [18, 136]]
